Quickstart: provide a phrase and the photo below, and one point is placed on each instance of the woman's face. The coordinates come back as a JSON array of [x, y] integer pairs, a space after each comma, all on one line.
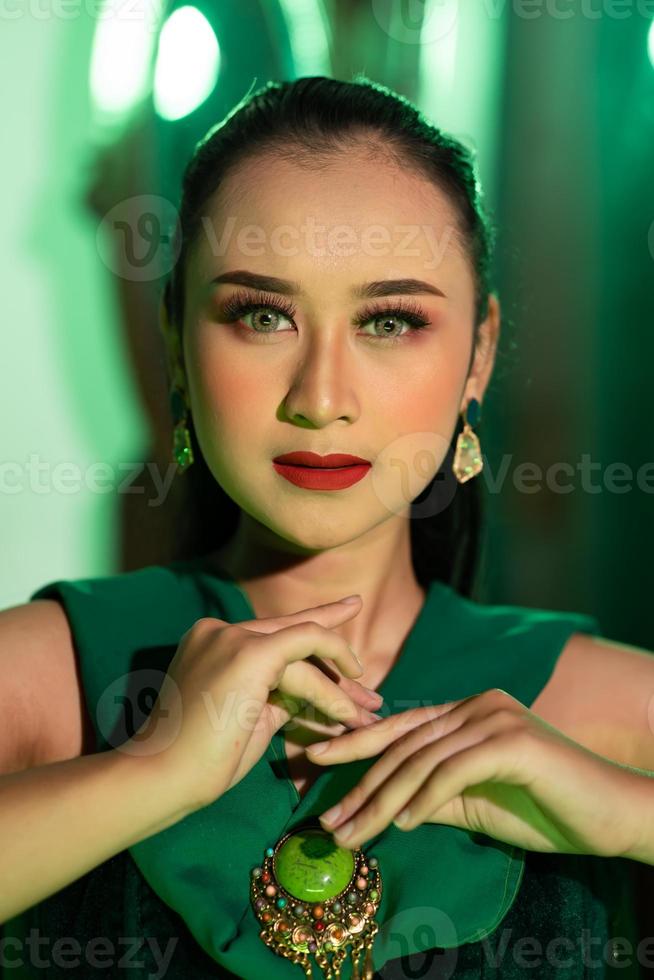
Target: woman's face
[[329, 374]]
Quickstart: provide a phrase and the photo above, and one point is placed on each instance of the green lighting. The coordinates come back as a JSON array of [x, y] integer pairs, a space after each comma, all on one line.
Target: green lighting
[[309, 31], [650, 43], [120, 59], [188, 60]]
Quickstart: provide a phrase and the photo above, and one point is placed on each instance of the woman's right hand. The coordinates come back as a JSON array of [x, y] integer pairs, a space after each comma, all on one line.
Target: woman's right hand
[[231, 686]]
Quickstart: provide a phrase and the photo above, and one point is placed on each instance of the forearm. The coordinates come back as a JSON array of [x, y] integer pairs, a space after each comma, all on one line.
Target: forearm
[[60, 820], [641, 803]]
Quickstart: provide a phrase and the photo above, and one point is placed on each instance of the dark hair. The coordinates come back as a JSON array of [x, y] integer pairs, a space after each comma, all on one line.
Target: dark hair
[[307, 120]]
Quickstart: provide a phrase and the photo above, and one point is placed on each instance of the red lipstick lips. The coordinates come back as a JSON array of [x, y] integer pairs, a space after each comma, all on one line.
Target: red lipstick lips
[[313, 459], [336, 471]]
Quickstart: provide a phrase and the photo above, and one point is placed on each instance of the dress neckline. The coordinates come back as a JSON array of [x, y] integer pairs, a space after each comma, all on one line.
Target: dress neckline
[[237, 607], [466, 882]]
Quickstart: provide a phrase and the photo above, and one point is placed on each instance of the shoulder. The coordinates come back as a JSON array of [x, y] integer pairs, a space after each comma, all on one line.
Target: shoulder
[[43, 717], [144, 605], [596, 690], [601, 694], [140, 581], [476, 621], [63, 647]]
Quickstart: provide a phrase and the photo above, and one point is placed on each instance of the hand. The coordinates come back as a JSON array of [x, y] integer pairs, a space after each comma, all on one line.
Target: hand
[[485, 763], [231, 686]]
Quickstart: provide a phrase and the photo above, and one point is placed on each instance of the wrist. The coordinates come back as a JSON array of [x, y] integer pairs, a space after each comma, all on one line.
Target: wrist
[[166, 796], [639, 807]]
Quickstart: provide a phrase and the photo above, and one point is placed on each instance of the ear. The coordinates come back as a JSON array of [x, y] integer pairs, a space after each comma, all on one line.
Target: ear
[[173, 349], [484, 355]]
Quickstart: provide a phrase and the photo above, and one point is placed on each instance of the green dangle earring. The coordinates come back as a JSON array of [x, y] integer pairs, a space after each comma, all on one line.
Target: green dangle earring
[[182, 450], [468, 461]]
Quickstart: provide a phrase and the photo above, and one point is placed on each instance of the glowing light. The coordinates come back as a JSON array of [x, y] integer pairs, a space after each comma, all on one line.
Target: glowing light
[[121, 57], [309, 31], [187, 65]]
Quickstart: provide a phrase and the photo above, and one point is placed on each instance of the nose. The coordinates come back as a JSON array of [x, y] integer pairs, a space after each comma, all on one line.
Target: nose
[[321, 388]]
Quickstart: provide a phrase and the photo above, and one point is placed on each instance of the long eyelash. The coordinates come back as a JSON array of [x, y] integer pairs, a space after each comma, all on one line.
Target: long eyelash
[[242, 303], [408, 310]]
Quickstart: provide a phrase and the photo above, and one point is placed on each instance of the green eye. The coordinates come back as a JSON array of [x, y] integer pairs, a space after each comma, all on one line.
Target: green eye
[[409, 313]]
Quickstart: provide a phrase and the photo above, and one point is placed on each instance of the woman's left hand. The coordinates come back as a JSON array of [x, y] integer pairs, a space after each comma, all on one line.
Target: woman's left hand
[[485, 763]]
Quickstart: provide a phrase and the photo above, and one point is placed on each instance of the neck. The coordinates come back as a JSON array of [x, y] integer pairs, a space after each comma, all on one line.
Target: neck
[[279, 579]]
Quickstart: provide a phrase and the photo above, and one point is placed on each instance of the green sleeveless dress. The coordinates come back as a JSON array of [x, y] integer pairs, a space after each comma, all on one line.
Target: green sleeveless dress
[[454, 904]]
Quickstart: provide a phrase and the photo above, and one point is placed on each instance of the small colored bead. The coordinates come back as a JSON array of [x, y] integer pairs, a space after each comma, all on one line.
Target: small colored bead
[[473, 412]]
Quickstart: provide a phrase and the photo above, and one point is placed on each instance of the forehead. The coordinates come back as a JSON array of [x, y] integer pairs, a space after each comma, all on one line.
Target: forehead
[[351, 212]]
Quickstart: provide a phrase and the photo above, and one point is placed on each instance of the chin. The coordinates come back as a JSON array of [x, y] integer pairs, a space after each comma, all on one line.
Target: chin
[[310, 540]]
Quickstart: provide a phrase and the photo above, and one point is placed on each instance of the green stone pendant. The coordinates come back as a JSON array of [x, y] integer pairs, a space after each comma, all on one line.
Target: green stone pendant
[[312, 867], [312, 896]]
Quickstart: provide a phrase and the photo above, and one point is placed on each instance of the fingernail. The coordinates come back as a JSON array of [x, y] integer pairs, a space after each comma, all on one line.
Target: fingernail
[[356, 657], [403, 817], [373, 694], [318, 747], [330, 815], [345, 831], [351, 599]]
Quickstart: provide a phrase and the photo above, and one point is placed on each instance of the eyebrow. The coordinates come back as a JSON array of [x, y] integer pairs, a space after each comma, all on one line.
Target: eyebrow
[[286, 287]]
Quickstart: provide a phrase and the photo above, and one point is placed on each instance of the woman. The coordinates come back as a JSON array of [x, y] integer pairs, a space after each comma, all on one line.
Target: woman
[[330, 296]]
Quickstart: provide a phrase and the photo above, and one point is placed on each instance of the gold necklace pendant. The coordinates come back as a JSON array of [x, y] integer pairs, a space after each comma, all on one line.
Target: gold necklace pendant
[[314, 897]]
